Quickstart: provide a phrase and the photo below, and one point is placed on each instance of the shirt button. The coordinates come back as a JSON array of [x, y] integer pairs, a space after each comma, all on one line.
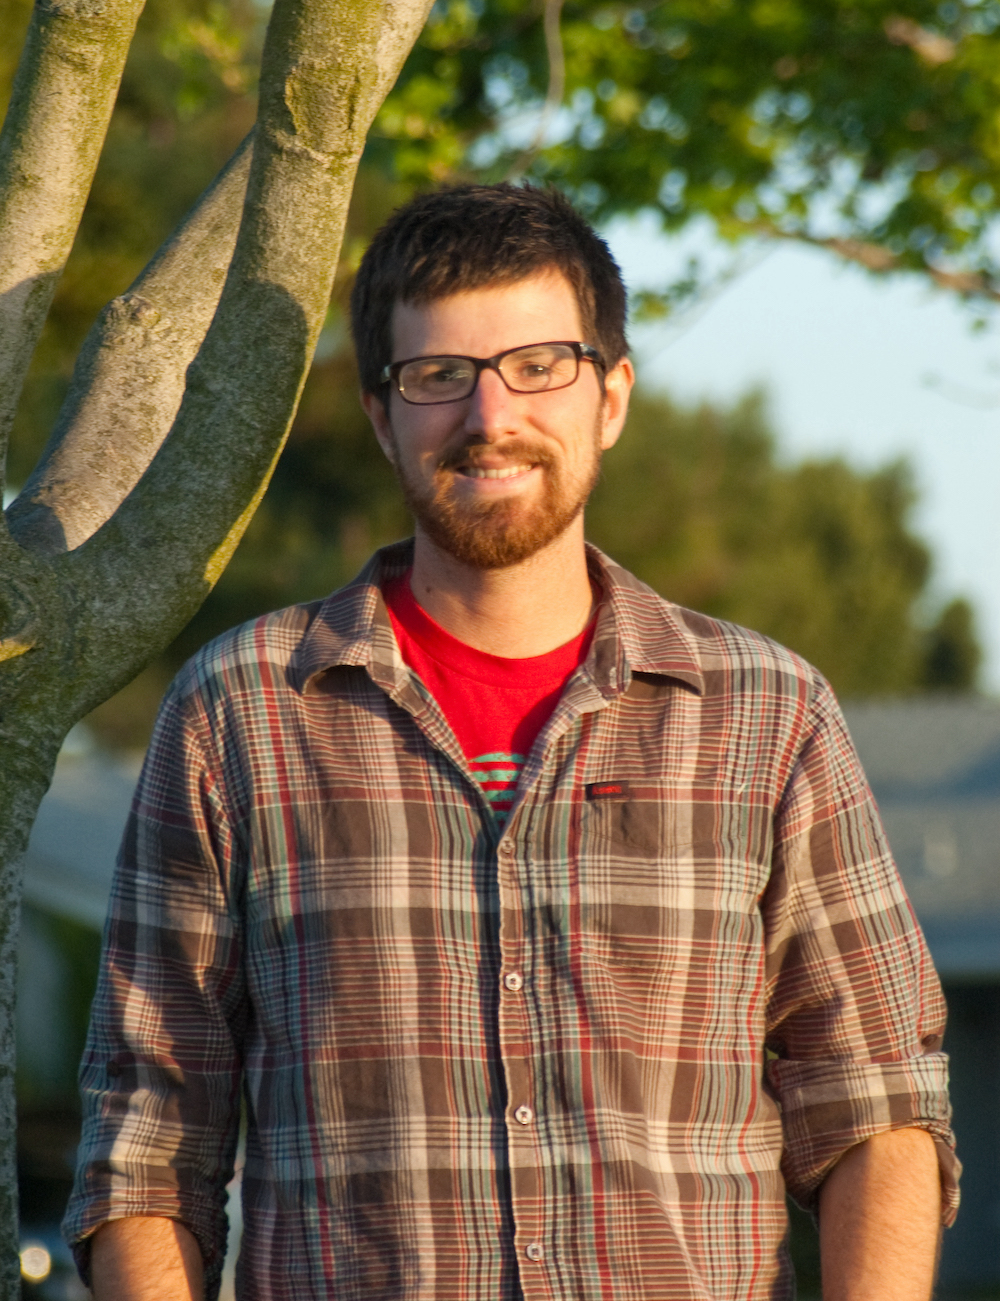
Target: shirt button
[[514, 981], [524, 1115], [534, 1251], [505, 849]]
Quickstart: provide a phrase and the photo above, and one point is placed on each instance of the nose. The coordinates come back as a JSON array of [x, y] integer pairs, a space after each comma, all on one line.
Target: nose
[[492, 411]]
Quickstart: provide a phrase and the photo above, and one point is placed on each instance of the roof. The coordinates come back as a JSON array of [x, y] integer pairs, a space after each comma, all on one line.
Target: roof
[[74, 842], [934, 766]]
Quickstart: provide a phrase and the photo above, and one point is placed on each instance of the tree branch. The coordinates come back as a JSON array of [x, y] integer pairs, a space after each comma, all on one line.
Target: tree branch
[[327, 67], [60, 106], [881, 260], [557, 66], [129, 378], [557, 85]]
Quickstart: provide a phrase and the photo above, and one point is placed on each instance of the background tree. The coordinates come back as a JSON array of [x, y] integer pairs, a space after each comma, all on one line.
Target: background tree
[[467, 103], [869, 128]]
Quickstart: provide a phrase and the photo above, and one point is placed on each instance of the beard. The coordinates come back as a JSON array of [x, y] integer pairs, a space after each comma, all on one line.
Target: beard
[[497, 534]]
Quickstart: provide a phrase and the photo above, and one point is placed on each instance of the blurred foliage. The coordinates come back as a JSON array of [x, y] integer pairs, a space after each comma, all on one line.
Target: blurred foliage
[[804, 1247], [48, 1101], [873, 123], [76, 948], [952, 654]]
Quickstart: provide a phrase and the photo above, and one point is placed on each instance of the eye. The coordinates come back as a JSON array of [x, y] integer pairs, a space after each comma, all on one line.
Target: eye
[[445, 374], [536, 362], [436, 373], [548, 366]]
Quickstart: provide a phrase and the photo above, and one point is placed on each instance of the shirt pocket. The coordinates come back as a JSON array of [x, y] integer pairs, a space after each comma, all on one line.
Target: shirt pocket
[[694, 832], [645, 825]]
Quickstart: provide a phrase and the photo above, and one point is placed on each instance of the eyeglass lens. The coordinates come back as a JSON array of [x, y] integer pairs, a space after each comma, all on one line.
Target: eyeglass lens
[[525, 370]]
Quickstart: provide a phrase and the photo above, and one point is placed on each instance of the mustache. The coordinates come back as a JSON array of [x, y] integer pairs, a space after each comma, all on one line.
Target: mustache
[[514, 452]]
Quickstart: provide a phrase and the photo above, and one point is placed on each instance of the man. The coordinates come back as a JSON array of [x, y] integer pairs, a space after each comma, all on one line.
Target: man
[[548, 929]]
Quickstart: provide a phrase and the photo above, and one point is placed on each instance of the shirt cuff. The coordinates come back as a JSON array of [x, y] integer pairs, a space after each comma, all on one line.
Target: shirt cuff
[[829, 1107], [79, 1229]]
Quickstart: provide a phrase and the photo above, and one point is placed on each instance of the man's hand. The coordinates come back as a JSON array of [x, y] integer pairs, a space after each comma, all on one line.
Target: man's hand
[[880, 1220], [146, 1259]]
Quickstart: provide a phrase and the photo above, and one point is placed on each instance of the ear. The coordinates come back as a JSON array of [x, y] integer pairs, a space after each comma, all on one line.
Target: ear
[[617, 388], [379, 417]]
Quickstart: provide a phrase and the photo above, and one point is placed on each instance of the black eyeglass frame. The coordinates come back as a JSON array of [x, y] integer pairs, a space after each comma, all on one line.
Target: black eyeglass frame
[[582, 351]]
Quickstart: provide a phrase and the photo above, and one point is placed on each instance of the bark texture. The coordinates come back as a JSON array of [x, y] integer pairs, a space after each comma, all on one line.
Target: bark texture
[[167, 439], [60, 107]]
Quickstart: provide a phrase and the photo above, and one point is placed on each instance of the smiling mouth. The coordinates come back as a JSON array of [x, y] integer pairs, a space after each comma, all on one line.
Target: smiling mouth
[[507, 472]]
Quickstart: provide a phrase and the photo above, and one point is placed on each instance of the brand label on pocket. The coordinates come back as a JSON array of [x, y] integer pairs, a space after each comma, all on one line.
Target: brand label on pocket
[[617, 792]]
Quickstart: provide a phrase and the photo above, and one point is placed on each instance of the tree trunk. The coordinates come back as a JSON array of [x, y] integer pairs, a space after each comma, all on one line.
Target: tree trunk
[[149, 481]]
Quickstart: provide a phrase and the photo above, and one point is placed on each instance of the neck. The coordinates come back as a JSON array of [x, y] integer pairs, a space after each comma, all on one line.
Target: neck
[[523, 610]]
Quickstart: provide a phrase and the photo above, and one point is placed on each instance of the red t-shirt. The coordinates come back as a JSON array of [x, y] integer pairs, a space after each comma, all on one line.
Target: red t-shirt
[[496, 706]]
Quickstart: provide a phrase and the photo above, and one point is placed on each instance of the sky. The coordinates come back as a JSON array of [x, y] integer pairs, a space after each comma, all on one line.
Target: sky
[[854, 365]]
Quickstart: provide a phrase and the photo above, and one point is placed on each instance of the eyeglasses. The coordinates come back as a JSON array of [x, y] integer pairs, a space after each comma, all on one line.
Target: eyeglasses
[[535, 368]]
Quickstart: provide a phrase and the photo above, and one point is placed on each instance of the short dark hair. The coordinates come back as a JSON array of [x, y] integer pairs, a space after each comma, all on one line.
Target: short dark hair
[[469, 236]]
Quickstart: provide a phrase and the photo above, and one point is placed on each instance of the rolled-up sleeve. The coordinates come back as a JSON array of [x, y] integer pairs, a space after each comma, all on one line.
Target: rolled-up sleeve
[[855, 1011], [160, 1077]]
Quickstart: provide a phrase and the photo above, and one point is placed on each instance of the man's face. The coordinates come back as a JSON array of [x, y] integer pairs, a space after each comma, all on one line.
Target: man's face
[[496, 477]]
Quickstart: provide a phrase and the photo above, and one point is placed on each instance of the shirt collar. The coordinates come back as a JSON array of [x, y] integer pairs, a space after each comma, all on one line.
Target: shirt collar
[[637, 631]]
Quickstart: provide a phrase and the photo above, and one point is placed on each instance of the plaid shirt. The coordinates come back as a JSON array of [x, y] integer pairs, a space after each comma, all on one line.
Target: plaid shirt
[[584, 1055]]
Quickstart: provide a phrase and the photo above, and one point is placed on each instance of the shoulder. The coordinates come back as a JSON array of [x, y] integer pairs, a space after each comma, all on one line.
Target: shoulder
[[218, 713], [766, 691], [744, 657], [661, 636], [253, 656], [768, 710]]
